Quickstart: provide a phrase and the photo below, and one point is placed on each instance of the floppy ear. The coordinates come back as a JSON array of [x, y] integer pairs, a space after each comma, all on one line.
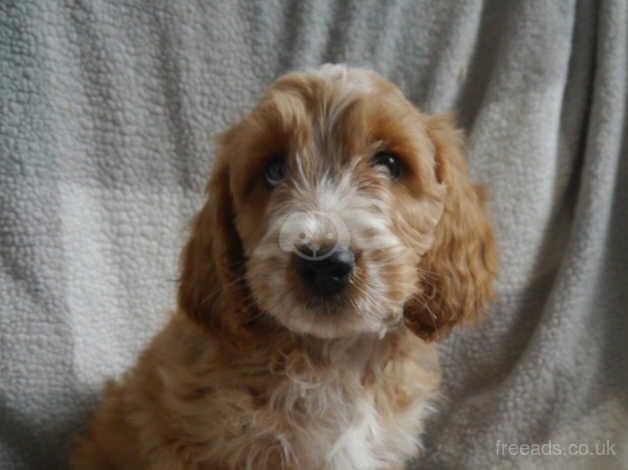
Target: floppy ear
[[457, 272], [212, 288]]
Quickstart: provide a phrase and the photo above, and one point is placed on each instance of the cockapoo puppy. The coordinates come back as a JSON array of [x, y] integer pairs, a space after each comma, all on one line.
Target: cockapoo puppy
[[340, 238]]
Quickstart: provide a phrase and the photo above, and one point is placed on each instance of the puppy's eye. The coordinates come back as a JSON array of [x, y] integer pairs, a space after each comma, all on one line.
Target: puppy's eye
[[275, 172], [390, 161]]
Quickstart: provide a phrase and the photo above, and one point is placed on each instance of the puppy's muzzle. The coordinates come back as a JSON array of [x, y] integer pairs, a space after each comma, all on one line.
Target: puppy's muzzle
[[328, 275]]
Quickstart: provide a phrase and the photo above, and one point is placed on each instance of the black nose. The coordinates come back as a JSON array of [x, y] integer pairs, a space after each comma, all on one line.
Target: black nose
[[328, 275]]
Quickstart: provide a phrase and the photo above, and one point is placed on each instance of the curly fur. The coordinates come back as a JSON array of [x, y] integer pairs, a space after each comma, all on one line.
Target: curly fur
[[249, 373]]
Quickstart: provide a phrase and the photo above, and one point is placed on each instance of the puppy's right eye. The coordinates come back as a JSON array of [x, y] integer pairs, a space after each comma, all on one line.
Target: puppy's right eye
[[275, 172], [390, 161]]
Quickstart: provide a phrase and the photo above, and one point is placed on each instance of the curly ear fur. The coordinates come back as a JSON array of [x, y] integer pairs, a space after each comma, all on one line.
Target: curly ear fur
[[459, 268], [212, 286]]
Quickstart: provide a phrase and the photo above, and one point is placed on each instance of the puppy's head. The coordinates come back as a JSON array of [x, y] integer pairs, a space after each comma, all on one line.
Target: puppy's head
[[336, 208]]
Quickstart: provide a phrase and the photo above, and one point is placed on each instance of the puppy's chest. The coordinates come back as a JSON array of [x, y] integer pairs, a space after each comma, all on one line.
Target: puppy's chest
[[340, 423]]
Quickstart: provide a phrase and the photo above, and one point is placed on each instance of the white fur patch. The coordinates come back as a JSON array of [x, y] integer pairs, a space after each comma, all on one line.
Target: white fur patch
[[345, 430], [351, 78]]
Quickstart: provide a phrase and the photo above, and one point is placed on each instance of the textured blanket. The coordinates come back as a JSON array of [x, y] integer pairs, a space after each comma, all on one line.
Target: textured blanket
[[105, 112]]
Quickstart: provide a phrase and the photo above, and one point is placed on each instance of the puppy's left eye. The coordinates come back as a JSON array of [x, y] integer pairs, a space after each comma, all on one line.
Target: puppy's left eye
[[390, 161], [275, 172]]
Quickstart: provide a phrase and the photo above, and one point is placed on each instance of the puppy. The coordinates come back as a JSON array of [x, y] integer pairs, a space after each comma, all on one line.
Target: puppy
[[340, 238]]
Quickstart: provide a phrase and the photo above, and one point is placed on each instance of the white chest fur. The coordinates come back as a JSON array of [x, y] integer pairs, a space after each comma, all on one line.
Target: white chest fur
[[355, 435], [346, 405], [335, 420]]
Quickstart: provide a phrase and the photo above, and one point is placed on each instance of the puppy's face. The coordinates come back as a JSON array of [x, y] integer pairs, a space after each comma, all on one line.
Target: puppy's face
[[333, 188]]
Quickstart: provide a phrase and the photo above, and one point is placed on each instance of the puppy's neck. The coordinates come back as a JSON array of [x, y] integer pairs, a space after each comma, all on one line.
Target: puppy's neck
[[352, 351], [284, 350]]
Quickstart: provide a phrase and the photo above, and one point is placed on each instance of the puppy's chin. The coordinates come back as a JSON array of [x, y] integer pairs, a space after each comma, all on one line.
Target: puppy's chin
[[324, 324]]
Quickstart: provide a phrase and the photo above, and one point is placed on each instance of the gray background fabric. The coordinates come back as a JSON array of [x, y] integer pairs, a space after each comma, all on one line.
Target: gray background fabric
[[106, 109]]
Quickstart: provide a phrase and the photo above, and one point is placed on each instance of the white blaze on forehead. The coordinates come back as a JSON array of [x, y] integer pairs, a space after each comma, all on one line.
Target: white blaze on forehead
[[334, 193], [351, 78], [346, 84], [329, 194]]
